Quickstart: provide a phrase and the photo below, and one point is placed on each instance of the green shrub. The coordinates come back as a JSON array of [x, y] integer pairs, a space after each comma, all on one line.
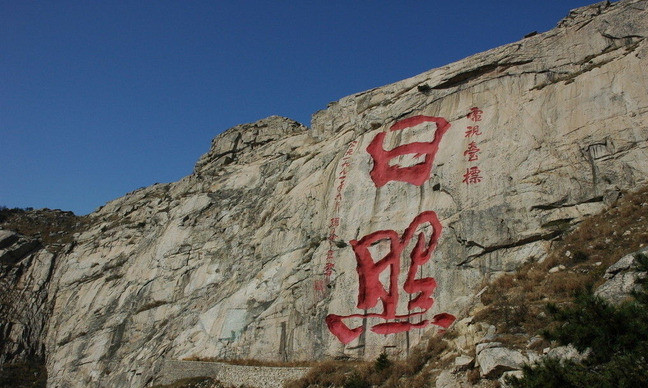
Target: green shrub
[[592, 323], [382, 362], [616, 337]]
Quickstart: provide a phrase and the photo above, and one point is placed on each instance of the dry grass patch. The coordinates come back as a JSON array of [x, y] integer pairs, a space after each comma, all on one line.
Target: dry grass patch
[[516, 302], [417, 370], [54, 228], [327, 374]]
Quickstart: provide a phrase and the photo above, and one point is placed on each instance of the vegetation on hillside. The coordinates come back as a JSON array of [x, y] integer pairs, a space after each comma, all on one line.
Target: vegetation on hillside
[[414, 371], [615, 339], [516, 302], [54, 228]]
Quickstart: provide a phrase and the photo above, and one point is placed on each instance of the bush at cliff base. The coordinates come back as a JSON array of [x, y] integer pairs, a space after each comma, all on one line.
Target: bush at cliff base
[[614, 337]]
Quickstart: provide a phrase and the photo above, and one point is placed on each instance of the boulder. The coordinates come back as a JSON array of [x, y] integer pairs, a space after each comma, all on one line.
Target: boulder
[[495, 360], [622, 278]]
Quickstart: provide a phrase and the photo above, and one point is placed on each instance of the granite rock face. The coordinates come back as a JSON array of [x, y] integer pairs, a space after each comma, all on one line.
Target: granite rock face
[[25, 270], [247, 256]]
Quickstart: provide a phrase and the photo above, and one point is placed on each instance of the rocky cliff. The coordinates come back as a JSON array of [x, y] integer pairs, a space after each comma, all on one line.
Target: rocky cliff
[[356, 236], [30, 242]]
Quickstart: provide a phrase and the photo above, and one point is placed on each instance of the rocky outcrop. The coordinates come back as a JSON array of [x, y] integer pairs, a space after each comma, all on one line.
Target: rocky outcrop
[[495, 359], [30, 243], [622, 279], [25, 270], [249, 255], [238, 144]]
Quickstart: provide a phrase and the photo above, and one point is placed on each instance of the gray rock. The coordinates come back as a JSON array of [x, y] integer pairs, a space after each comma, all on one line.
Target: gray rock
[[487, 345], [568, 352], [24, 307], [505, 375], [18, 249], [534, 341], [622, 279], [497, 360], [463, 362], [447, 379], [7, 238], [557, 268]]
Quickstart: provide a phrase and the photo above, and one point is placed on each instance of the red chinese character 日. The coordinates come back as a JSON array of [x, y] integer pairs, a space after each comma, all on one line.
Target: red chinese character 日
[[472, 175], [382, 172], [371, 290], [475, 114], [472, 151]]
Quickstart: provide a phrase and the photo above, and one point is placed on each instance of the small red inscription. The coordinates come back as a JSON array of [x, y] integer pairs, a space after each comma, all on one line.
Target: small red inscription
[[475, 114], [472, 152], [472, 130], [472, 175], [321, 285]]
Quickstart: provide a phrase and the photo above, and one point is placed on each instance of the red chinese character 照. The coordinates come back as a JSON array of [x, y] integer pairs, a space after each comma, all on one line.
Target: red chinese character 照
[[475, 114], [382, 172], [473, 131], [472, 151], [472, 175], [371, 290]]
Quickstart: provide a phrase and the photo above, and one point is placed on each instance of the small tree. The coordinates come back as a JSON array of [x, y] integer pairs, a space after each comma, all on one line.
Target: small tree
[[616, 337], [382, 362]]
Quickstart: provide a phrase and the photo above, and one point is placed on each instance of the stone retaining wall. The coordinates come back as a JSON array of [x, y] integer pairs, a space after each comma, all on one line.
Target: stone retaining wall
[[253, 376]]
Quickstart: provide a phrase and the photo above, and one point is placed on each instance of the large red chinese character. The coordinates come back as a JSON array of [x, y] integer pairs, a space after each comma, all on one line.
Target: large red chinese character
[[371, 290], [382, 172]]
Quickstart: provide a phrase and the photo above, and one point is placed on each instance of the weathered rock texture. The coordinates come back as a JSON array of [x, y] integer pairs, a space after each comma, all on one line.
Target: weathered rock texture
[[24, 272], [27, 261], [230, 261]]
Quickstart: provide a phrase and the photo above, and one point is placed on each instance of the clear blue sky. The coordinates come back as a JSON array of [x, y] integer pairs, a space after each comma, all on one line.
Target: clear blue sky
[[98, 98]]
